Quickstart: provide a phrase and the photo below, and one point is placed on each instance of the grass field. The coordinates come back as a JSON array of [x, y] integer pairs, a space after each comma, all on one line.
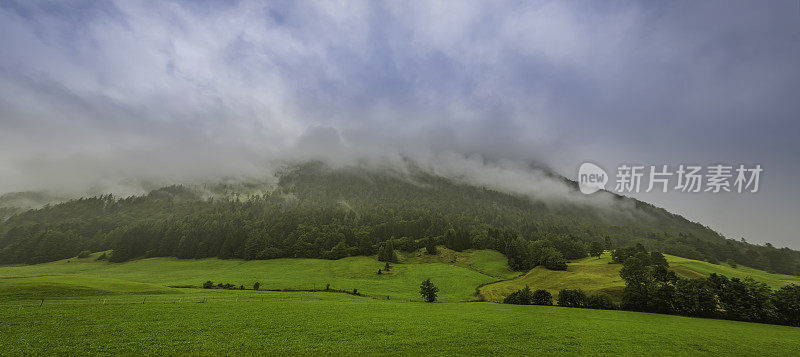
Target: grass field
[[93, 307], [593, 275], [325, 323], [37, 287], [456, 282], [457, 274]]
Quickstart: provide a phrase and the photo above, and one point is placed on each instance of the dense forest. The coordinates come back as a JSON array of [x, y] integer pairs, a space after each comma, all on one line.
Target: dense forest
[[316, 211]]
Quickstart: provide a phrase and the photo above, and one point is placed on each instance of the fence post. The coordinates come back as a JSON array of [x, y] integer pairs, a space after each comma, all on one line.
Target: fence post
[[42, 303]]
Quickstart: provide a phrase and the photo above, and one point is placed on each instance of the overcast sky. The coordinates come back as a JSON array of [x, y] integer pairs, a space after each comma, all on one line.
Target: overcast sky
[[95, 93]]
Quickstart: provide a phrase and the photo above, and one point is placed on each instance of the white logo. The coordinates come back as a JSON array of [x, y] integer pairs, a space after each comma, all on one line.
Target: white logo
[[717, 178], [591, 178]]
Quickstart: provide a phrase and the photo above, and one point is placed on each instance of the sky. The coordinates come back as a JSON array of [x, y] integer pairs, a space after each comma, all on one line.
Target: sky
[[96, 94]]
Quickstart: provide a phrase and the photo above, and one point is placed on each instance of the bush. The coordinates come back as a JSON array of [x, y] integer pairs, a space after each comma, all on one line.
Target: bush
[[555, 262], [255, 286], [620, 255], [596, 249], [571, 298], [787, 304], [658, 259], [84, 254], [208, 285], [520, 297], [102, 257], [600, 301], [542, 297], [430, 248]]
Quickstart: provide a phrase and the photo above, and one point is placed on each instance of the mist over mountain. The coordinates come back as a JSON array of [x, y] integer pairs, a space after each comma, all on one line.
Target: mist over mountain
[[316, 209], [126, 97]]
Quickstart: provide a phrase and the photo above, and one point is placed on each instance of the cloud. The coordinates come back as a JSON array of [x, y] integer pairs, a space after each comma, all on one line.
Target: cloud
[[93, 94]]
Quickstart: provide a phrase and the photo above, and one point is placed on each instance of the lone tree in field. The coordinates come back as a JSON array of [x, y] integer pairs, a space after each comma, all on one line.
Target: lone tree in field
[[428, 291], [596, 249], [256, 286]]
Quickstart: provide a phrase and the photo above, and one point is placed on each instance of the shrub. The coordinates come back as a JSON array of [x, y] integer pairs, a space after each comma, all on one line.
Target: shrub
[[522, 296], [787, 304], [596, 249], [542, 297], [620, 255], [255, 286], [572, 298], [658, 259], [555, 262], [430, 248], [84, 254], [208, 285], [600, 301], [102, 256]]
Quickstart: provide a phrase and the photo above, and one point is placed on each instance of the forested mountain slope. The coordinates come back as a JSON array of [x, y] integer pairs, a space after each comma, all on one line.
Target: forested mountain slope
[[316, 211]]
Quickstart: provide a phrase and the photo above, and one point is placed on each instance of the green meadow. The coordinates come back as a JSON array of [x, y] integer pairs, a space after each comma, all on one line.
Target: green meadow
[[281, 323], [456, 282], [154, 306]]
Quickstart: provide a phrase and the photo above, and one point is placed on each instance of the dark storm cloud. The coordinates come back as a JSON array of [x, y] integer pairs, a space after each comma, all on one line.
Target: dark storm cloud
[[97, 93]]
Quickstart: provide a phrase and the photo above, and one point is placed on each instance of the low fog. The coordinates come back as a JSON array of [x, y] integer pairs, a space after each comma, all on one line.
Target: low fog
[[121, 97]]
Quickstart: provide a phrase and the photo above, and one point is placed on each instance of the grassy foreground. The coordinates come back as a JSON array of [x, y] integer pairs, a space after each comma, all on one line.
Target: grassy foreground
[[325, 323], [93, 307]]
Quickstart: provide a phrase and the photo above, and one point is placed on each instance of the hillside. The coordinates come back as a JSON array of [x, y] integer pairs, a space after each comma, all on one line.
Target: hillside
[[315, 211], [458, 274], [599, 275]]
